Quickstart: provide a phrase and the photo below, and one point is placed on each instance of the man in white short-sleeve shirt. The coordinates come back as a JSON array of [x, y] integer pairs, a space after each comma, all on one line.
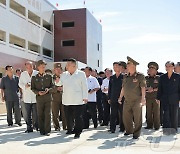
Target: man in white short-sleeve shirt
[[93, 87], [29, 98], [106, 105]]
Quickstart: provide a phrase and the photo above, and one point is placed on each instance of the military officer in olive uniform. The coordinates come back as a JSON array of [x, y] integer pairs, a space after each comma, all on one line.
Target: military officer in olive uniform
[[57, 106], [152, 107], [133, 89], [42, 86]]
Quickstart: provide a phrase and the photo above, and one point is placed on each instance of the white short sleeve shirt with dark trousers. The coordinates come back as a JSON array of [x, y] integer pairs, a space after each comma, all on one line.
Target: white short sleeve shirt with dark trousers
[[29, 99], [11, 89], [74, 91], [90, 107]]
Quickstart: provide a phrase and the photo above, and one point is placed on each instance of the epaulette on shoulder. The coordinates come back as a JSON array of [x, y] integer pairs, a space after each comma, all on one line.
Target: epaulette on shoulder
[[139, 73]]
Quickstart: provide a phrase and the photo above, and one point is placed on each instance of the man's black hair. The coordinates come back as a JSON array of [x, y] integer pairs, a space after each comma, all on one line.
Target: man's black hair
[[8, 66], [89, 68], [108, 69], [116, 62], [18, 70], [72, 60], [170, 62]]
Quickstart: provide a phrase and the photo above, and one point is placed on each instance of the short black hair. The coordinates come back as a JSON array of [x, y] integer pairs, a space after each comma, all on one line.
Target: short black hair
[[95, 70], [8, 66], [82, 69], [48, 71], [101, 72], [72, 60], [116, 62], [108, 70], [170, 62], [89, 68], [18, 70], [178, 64]]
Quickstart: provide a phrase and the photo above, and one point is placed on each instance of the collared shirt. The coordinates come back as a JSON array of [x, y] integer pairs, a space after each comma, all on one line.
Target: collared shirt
[[132, 86], [92, 84], [10, 87], [74, 88], [28, 95], [105, 85], [57, 95], [115, 86]]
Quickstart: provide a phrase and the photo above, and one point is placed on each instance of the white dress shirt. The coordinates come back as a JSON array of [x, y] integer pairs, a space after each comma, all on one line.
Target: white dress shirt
[[74, 88], [28, 95], [105, 85], [92, 84]]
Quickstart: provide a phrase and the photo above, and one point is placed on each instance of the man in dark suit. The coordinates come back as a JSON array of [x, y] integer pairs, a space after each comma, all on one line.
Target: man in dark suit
[[177, 70], [169, 95], [115, 85]]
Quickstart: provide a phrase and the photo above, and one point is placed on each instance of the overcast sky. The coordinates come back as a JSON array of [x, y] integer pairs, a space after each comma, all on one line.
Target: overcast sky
[[146, 30]]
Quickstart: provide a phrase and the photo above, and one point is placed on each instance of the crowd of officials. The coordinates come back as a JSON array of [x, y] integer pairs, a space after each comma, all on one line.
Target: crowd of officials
[[76, 96]]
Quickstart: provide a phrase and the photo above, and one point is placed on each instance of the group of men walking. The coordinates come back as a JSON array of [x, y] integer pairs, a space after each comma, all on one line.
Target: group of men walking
[[81, 95]]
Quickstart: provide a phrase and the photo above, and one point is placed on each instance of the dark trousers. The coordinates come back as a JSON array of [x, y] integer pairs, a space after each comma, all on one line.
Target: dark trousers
[[57, 108], [44, 116], [10, 105], [100, 107], [179, 117], [73, 114], [116, 111], [90, 111], [153, 113], [31, 110], [170, 116], [106, 105], [161, 114]]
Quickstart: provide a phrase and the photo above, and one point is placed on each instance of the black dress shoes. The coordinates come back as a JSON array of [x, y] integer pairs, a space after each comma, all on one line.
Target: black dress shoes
[[69, 132], [135, 137], [111, 131], [126, 134], [148, 127], [28, 131], [19, 124], [77, 135]]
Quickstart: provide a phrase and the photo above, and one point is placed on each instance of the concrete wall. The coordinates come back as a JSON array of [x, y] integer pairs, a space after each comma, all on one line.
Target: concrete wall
[[77, 33], [94, 37], [14, 23], [87, 34]]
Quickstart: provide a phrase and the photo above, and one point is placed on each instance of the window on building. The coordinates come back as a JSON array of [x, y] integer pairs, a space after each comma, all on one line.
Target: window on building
[[17, 7], [17, 41], [68, 43], [47, 52], [34, 17], [33, 47], [68, 24], [98, 63], [2, 36], [3, 2], [98, 47], [47, 25]]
